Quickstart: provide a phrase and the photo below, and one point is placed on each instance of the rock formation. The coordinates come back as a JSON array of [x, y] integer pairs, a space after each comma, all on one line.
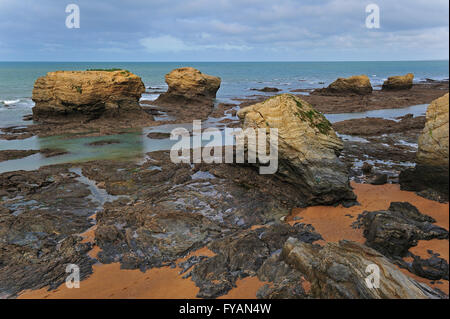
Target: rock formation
[[339, 271], [358, 84], [91, 94], [190, 95], [394, 231], [400, 82], [38, 240], [431, 172], [308, 147], [248, 254], [267, 89], [433, 142]]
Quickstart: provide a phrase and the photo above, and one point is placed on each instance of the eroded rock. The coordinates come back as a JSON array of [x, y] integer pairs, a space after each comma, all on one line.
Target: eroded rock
[[433, 142], [357, 84], [90, 94], [339, 271], [41, 214], [191, 94], [430, 176], [394, 231], [400, 82], [246, 254], [308, 147]]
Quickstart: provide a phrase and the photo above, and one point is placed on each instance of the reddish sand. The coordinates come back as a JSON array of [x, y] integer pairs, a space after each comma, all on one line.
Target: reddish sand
[[109, 281], [334, 223], [246, 289]]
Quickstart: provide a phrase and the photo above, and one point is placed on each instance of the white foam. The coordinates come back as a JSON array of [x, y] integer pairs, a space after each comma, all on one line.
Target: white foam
[[22, 102], [10, 102], [149, 97]]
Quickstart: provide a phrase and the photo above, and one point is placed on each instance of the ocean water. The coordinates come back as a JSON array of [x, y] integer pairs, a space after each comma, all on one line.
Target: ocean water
[[17, 80], [238, 78]]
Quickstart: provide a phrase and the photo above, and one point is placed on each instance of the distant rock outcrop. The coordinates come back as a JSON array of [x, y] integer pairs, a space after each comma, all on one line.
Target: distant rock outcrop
[[343, 271], [267, 90], [92, 94], [358, 84], [191, 93], [400, 82], [308, 147], [431, 172]]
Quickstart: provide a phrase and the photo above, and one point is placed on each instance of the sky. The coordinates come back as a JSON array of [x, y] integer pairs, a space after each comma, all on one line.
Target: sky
[[223, 30]]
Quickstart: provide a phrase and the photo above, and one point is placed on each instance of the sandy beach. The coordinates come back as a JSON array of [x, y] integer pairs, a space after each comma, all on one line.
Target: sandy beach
[[79, 188], [333, 223]]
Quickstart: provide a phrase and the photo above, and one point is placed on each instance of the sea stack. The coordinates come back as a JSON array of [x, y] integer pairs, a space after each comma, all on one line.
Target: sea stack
[[190, 95], [308, 148], [357, 84], [400, 82], [431, 172], [87, 94]]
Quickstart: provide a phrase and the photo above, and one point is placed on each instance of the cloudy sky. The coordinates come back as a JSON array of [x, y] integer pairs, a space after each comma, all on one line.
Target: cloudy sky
[[223, 30]]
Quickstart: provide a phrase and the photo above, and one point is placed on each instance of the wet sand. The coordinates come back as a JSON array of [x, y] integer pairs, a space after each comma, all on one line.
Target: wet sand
[[109, 281], [333, 223]]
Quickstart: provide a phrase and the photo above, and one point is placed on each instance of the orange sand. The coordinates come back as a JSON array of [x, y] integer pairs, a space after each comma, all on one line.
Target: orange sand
[[333, 224], [109, 281], [246, 289]]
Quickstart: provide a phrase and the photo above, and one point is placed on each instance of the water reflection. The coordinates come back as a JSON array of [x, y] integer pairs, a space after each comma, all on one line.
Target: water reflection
[[134, 144], [129, 145], [390, 114]]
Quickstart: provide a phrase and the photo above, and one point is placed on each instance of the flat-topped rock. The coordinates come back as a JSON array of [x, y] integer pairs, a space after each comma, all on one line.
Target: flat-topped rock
[[92, 94], [357, 84], [308, 147], [399, 82], [191, 93]]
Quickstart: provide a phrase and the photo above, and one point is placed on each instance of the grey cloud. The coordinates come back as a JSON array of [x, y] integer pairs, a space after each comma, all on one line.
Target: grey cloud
[[223, 29]]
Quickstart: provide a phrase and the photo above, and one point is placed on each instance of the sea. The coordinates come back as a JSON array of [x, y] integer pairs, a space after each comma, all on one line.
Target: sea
[[238, 81], [238, 78]]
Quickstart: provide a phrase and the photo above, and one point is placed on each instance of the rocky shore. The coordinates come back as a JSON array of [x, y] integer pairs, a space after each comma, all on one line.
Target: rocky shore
[[155, 229]]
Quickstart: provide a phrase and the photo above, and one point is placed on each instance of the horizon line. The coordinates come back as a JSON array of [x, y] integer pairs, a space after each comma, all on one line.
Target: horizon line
[[243, 61]]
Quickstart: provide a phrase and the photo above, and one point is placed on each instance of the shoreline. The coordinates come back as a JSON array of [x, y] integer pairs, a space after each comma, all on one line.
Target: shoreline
[[109, 281], [189, 216], [421, 93]]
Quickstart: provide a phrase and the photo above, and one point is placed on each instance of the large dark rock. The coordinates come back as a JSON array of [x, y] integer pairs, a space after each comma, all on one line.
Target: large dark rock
[[428, 181], [433, 268], [394, 231], [244, 255]]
